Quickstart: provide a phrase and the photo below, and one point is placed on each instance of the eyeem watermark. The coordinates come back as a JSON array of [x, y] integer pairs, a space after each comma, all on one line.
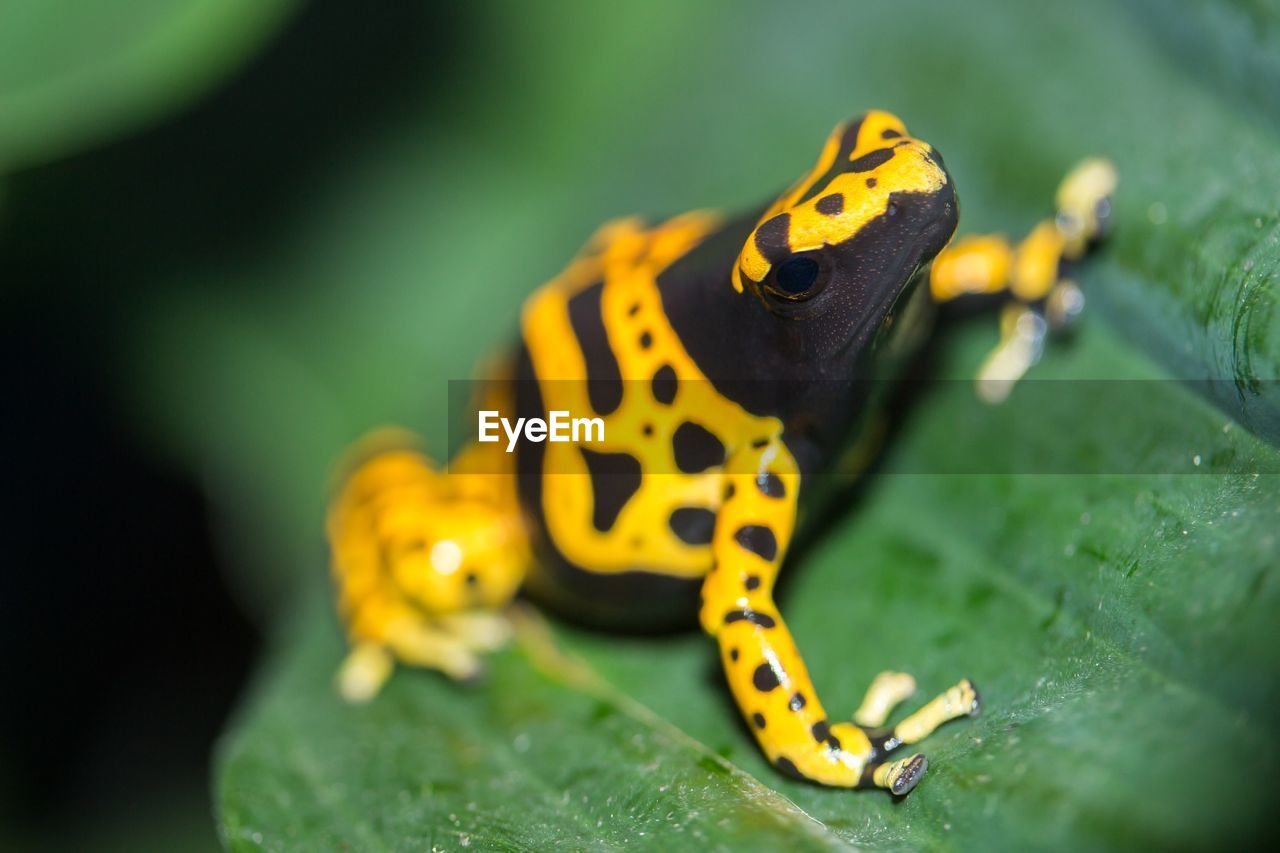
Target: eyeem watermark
[[558, 427]]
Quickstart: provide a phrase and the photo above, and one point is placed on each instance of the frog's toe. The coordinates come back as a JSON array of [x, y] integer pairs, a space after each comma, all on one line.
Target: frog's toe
[[898, 777], [971, 696]]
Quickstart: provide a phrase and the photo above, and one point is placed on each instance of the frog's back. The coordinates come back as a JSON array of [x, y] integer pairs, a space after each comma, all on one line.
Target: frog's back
[[628, 544]]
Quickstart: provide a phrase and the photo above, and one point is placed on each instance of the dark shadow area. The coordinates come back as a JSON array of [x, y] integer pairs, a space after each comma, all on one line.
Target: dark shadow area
[[125, 651]]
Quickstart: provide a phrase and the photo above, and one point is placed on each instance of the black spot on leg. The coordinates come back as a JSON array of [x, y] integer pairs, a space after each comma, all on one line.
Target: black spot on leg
[[634, 309], [615, 477], [664, 384], [822, 734], [764, 678], [758, 719], [871, 183], [753, 582], [770, 485], [729, 490], [787, 766], [764, 620], [696, 449], [831, 205], [646, 340], [647, 429], [797, 701], [871, 160], [693, 525], [759, 443], [772, 238], [757, 539], [472, 580], [733, 654]]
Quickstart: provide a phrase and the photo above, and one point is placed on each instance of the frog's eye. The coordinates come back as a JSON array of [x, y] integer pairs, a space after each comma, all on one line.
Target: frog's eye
[[796, 278]]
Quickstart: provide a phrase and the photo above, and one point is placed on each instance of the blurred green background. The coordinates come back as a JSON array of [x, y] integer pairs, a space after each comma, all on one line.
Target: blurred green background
[[235, 235]]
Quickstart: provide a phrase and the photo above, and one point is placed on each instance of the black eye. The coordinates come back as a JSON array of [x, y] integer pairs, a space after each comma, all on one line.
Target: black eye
[[797, 275]]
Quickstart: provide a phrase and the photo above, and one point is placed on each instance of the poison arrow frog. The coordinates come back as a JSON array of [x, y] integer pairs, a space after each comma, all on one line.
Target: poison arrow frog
[[726, 359]]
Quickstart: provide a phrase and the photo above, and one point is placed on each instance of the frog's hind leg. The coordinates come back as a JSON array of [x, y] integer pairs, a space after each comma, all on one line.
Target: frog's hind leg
[[423, 560], [1030, 274]]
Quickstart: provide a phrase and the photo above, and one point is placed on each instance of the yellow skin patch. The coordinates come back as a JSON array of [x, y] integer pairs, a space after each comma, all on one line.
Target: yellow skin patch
[[424, 561], [628, 264]]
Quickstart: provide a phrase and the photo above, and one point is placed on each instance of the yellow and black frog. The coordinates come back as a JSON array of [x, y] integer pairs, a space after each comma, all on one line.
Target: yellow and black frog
[[724, 362]]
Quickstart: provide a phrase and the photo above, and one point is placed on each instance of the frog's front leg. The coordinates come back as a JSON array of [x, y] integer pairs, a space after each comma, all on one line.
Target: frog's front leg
[[1030, 273], [764, 668]]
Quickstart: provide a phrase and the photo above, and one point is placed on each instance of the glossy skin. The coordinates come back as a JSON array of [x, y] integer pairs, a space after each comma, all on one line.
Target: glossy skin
[[724, 359]]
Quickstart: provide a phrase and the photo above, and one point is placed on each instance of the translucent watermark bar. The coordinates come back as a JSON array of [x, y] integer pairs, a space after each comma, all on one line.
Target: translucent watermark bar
[[930, 427]]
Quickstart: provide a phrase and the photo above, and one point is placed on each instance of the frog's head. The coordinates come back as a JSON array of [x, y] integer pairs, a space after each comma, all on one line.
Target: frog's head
[[832, 255]]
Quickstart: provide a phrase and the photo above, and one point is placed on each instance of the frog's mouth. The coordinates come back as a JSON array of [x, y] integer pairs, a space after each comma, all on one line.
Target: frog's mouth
[[883, 263]]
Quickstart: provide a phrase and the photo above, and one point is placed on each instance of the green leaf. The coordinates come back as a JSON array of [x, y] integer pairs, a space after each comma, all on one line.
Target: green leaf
[[1117, 626], [552, 757], [1116, 601], [73, 74]]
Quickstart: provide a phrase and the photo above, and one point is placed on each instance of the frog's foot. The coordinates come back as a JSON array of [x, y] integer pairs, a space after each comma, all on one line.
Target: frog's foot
[[366, 668], [887, 691], [900, 776], [479, 630], [449, 644], [897, 777], [1029, 274]]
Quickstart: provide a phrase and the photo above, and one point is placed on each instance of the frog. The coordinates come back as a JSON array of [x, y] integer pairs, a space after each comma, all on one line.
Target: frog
[[732, 363]]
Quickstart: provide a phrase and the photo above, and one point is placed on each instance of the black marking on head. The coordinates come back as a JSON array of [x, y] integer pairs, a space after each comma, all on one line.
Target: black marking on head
[[729, 490], [889, 133], [695, 448], [615, 477], [647, 429], [634, 309], [848, 142], [871, 182], [849, 139], [787, 766], [733, 654], [472, 579], [752, 582], [871, 160], [831, 205], [770, 485], [604, 378], [764, 620], [764, 678], [772, 238], [646, 340], [757, 539], [665, 384], [693, 525], [797, 701], [758, 719]]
